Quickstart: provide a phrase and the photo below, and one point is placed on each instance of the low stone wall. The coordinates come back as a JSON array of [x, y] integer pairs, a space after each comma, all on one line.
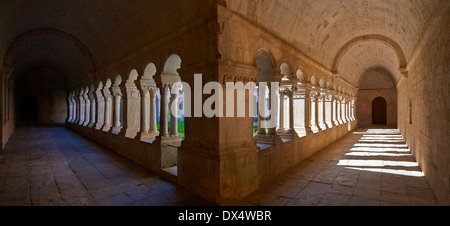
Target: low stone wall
[[284, 155]]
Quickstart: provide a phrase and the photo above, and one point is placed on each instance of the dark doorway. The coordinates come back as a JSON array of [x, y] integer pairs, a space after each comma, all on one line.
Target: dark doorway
[[379, 112], [28, 109]]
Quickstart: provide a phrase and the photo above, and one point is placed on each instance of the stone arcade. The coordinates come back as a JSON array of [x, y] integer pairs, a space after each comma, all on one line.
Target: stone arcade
[[110, 71]]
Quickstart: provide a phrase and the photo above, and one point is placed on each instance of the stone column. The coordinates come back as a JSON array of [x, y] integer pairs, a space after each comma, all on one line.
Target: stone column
[[87, 107], [153, 125], [92, 118], [338, 110], [76, 112], [82, 108], [173, 119], [116, 115], [343, 103], [302, 106], [271, 130], [291, 109], [108, 108], [329, 109], [100, 109], [145, 104], [164, 110], [323, 111], [69, 101], [281, 116], [262, 105], [131, 104]]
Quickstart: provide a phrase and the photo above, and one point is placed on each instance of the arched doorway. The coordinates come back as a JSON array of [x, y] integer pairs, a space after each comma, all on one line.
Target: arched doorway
[[379, 112], [28, 109]]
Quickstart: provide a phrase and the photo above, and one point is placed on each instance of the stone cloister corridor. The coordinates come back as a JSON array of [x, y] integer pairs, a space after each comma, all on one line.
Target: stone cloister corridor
[[370, 167], [225, 102]]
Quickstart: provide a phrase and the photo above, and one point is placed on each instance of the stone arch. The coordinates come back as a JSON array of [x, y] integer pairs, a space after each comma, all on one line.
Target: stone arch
[[313, 80], [285, 70], [300, 75], [265, 61], [374, 37], [47, 31], [172, 64], [149, 71]]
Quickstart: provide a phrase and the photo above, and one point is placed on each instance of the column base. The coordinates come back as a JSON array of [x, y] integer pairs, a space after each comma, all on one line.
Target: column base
[[266, 139]]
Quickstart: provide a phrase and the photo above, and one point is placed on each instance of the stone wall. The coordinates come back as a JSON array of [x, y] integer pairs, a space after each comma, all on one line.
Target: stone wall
[[427, 91]]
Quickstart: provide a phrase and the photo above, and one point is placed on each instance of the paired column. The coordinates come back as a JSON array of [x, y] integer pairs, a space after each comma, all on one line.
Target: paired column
[[261, 115], [343, 110], [108, 108], [164, 110], [82, 108], [173, 119], [117, 96], [101, 109], [281, 111], [87, 108], [92, 118]]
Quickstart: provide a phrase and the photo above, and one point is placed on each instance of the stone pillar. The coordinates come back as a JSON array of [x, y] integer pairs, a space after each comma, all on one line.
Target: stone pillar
[[281, 111], [117, 111], [108, 109], [145, 104], [87, 107], [322, 112], [82, 104], [76, 108], [343, 103], [302, 106], [329, 109], [131, 104], [153, 125], [100, 119], [262, 105], [291, 109], [271, 130], [338, 110], [69, 101], [173, 119], [92, 118], [164, 111]]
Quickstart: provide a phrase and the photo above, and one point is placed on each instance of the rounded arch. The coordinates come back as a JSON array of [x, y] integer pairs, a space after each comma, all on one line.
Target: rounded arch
[[118, 80], [149, 71], [132, 76], [313, 80], [374, 37], [329, 85], [300, 75], [172, 64], [47, 31], [285, 69], [108, 83], [322, 83], [100, 86], [265, 61]]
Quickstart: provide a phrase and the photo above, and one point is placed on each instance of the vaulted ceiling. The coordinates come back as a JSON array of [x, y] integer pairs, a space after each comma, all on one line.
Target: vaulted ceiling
[[81, 36], [347, 37]]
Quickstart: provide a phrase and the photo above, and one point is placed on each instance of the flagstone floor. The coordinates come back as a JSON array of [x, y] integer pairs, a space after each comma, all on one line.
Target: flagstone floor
[[47, 166], [368, 167]]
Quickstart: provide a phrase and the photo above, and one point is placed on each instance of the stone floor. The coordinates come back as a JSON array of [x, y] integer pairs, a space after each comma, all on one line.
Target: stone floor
[[369, 167], [48, 166], [55, 166]]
